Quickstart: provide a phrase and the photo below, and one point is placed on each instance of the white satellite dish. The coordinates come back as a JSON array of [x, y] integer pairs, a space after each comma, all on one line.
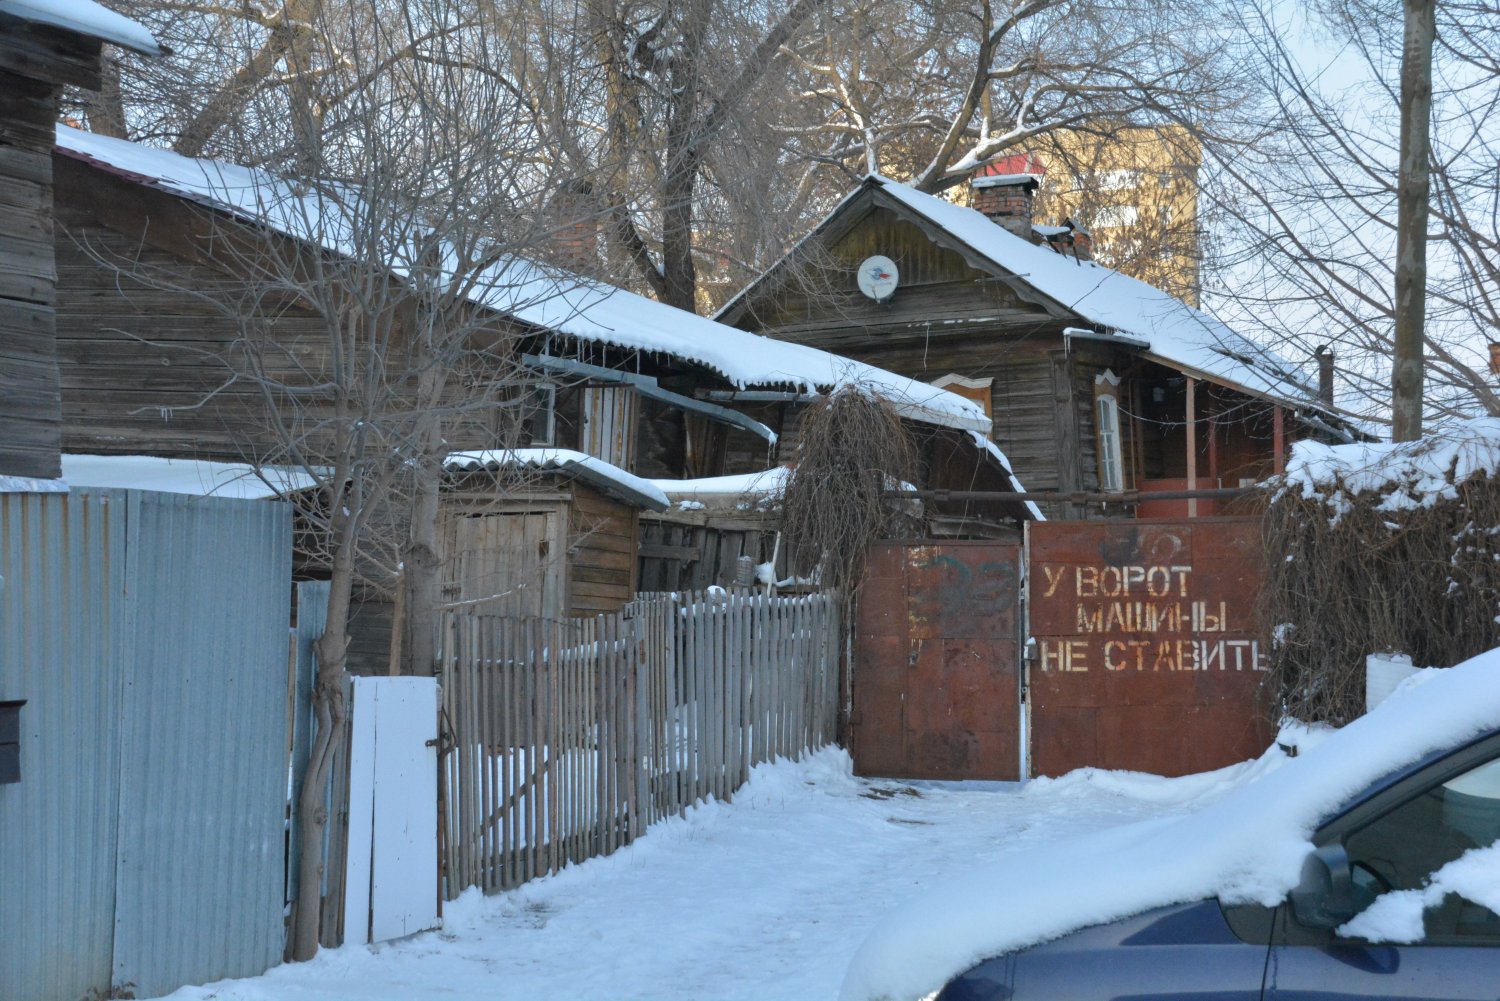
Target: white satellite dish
[[878, 277]]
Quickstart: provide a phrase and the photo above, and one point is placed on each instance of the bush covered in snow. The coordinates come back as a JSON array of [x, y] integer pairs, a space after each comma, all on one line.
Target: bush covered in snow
[[1381, 547]]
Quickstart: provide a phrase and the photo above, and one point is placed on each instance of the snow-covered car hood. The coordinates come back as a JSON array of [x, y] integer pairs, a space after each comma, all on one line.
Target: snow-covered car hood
[[1247, 847]]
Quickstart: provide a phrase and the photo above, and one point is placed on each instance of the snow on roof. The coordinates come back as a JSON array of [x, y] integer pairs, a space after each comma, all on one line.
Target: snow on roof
[[1410, 474], [197, 477], [1245, 847], [739, 492], [542, 296], [1001, 180], [31, 485], [86, 18], [610, 478], [1180, 336]]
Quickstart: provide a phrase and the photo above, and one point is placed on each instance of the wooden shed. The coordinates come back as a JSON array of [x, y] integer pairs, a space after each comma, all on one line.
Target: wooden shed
[[562, 545]]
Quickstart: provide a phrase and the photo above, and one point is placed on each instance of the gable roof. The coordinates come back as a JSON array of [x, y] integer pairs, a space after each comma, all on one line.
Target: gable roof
[[533, 293], [84, 17], [1175, 334]]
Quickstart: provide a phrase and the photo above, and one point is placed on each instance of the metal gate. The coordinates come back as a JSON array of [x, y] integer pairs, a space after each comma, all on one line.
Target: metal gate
[[1146, 654], [142, 848], [936, 680], [1141, 652]]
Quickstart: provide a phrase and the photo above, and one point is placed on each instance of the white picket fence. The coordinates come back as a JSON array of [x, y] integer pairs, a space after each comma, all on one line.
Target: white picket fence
[[566, 739]]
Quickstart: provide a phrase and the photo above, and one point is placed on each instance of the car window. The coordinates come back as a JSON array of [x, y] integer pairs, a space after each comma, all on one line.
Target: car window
[[1400, 849]]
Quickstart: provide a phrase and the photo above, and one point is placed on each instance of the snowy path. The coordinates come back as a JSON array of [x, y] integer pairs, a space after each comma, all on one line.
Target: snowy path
[[763, 899]]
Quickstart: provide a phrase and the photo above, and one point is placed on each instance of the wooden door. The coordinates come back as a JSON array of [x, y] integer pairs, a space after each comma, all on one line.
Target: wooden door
[[508, 564]]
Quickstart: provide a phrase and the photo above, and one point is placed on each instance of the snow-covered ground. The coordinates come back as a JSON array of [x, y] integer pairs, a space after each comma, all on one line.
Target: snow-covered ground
[[762, 899]]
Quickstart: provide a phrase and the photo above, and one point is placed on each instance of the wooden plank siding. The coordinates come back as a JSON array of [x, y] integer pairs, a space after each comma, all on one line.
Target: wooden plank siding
[[141, 354], [603, 536], [30, 397]]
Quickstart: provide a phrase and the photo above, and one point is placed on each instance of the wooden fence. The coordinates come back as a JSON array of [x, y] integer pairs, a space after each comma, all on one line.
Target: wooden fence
[[566, 739]]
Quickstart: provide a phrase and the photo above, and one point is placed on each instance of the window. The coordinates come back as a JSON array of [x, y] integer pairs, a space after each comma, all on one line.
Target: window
[[1402, 848], [1115, 216], [525, 415], [977, 390], [1111, 454]]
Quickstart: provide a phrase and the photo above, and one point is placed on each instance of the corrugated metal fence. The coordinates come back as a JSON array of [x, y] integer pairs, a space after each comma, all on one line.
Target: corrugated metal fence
[[567, 739], [143, 847]]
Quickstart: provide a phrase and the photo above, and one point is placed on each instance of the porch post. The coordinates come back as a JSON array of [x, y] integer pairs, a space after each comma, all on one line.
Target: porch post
[[1192, 445], [1278, 441]]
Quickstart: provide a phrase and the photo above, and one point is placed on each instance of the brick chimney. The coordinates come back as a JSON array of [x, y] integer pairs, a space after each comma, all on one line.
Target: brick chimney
[[572, 218], [1325, 374], [1494, 357], [1083, 242], [1007, 199]]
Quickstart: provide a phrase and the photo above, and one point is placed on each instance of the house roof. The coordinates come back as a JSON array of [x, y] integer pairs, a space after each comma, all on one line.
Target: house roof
[[542, 296], [1177, 335], [85, 17], [609, 478]]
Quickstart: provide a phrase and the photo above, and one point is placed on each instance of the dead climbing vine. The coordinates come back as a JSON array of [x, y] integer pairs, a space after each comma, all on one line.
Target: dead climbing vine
[[852, 445], [1352, 574]]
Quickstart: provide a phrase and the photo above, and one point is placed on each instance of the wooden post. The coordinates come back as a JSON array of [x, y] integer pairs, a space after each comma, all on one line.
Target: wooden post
[[1192, 445], [1278, 440]]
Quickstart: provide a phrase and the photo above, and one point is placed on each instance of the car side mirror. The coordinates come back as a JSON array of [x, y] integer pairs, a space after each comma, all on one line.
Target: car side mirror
[[1324, 896]]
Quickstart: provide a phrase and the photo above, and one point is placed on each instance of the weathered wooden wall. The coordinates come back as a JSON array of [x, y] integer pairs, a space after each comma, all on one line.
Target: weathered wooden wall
[[603, 536], [35, 62], [147, 365], [691, 551]]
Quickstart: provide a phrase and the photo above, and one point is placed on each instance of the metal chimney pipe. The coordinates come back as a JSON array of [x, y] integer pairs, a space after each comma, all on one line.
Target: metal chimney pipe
[[1325, 374]]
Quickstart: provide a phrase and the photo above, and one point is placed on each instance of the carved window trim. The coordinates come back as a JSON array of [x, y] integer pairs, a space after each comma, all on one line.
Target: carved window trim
[[1109, 432]]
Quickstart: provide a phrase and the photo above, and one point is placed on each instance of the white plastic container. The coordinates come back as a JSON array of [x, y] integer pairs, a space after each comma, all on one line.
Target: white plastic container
[[1383, 672]]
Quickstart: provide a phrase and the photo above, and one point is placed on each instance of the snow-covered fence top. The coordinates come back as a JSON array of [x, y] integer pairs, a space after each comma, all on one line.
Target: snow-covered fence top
[[1404, 475]]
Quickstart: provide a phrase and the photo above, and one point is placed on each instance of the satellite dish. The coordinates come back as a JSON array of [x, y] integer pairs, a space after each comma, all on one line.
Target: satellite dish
[[878, 277]]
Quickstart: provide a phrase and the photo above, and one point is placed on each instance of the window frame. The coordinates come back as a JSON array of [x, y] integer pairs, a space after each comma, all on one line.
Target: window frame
[[1109, 446]]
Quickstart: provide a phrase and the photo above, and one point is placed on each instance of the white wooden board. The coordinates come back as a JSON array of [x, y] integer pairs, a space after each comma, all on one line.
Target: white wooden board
[[391, 886]]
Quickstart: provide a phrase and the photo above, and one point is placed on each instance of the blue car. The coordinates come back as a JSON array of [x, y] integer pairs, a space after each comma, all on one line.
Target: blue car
[[1389, 838]]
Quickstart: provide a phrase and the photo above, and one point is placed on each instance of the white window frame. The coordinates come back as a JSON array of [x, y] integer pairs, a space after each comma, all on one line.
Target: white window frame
[[1109, 432]]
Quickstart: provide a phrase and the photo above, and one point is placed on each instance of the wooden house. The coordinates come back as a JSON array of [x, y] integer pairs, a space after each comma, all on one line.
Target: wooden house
[[1098, 384], [44, 46], [639, 388]]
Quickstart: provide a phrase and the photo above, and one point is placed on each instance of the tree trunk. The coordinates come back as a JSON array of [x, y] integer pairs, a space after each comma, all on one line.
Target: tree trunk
[[422, 571], [331, 712], [1411, 219]]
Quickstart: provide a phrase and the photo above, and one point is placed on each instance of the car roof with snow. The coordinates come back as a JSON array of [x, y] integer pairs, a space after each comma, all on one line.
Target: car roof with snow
[[1248, 847]]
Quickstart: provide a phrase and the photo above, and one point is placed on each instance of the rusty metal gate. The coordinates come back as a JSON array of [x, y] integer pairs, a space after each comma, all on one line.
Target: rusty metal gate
[[1145, 653], [1138, 640], [936, 691]]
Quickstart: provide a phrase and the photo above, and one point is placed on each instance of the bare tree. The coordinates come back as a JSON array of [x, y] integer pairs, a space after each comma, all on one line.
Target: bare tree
[[1307, 202], [409, 240], [1412, 196], [935, 95]]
